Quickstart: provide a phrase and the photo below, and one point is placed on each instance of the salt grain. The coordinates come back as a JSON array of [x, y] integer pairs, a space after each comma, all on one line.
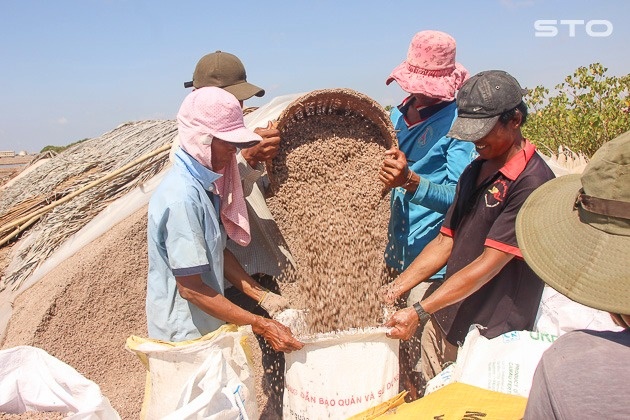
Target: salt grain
[[327, 203]]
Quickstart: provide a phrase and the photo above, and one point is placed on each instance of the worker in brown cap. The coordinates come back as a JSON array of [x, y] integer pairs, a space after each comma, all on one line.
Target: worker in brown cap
[[267, 256], [224, 70]]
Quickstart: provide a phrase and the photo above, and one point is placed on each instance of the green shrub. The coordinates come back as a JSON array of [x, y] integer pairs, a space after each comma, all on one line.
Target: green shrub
[[586, 110]]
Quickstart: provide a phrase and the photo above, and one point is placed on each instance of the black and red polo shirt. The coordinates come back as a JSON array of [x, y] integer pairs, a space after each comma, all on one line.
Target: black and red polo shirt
[[484, 216]]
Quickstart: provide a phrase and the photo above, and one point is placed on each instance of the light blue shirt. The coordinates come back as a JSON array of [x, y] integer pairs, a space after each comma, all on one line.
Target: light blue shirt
[[416, 217], [184, 238]]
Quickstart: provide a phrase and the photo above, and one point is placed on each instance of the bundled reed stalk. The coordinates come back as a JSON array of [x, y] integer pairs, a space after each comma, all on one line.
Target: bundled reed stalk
[[65, 193]]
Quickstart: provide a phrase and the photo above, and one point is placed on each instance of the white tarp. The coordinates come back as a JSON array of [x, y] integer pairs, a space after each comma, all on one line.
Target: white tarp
[[33, 380], [558, 314], [270, 111], [561, 165]]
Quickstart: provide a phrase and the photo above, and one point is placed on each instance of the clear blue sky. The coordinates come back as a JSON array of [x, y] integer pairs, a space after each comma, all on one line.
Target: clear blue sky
[[76, 69]]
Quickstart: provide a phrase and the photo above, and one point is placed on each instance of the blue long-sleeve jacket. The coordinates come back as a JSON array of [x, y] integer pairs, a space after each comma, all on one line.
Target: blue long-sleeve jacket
[[416, 217]]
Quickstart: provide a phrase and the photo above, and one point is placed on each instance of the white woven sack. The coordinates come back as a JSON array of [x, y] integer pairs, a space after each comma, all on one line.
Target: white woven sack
[[557, 314], [504, 364], [207, 379], [337, 375]]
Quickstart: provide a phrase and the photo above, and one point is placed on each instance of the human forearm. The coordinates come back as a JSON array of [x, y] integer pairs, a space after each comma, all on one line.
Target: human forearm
[[235, 274], [437, 197], [271, 302], [467, 280], [265, 150], [211, 302], [462, 284], [249, 157], [432, 258]]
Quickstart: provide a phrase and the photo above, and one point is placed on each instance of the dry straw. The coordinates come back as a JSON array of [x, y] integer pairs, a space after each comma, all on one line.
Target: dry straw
[[65, 193]]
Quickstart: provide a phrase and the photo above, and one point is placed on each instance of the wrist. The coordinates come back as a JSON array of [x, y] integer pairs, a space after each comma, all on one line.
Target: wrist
[[257, 323], [410, 181], [249, 157], [262, 297], [423, 316], [397, 290]]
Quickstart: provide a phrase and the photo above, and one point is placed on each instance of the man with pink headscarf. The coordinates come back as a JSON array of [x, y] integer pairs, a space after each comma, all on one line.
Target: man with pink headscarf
[[267, 255], [192, 212], [423, 171]]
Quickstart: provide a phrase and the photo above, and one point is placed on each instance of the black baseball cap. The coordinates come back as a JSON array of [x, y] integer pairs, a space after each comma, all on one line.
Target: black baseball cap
[[480, 102]]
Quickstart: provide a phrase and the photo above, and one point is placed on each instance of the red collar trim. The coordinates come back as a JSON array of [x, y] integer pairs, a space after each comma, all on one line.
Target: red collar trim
[[513, 168]]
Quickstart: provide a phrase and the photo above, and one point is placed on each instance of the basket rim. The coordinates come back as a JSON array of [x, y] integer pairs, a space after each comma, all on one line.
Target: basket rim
[[342, 99]]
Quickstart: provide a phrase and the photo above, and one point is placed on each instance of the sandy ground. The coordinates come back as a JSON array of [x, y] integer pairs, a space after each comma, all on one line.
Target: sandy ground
[[83, 311]]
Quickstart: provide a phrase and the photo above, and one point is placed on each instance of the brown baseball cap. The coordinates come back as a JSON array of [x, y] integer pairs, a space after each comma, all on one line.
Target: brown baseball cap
[[224, 70]]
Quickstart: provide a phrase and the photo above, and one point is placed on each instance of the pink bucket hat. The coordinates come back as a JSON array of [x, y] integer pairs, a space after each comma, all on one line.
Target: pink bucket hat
[[430, 67]]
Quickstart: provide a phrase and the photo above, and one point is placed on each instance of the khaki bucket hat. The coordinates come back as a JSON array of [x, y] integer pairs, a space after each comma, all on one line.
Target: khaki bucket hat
[[574, 231]]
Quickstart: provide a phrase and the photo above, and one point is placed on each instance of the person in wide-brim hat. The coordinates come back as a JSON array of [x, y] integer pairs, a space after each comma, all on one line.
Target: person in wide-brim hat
[[430, 67], [574, 232]]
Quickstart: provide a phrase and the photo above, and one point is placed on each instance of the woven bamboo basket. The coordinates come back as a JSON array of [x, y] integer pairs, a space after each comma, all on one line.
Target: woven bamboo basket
[[339, 101], [353, 107]]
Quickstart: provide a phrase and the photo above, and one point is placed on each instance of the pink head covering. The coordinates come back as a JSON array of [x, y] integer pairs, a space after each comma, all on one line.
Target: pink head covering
[[212, 112], [430, 67]]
